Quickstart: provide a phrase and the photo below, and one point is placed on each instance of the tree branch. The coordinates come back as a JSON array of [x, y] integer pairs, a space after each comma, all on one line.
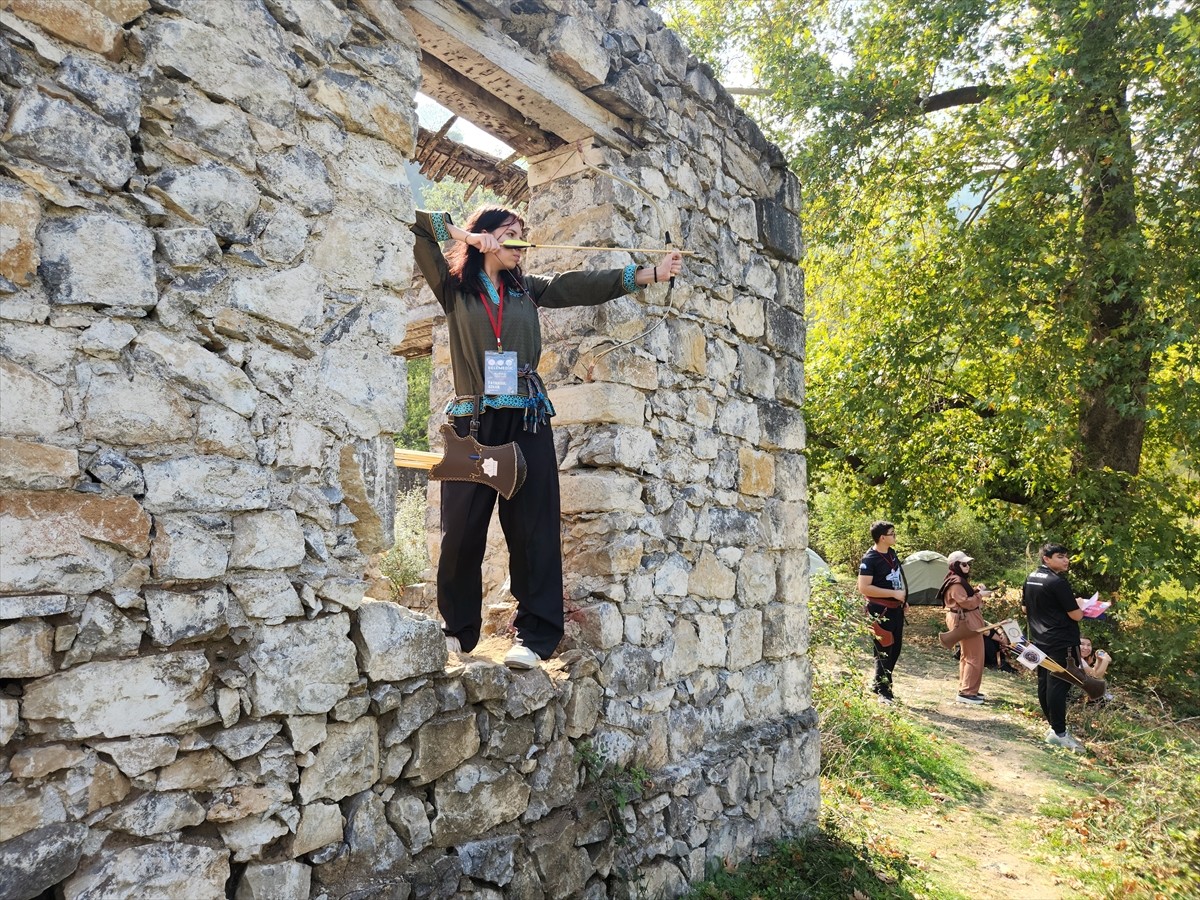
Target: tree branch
[[963, 96]]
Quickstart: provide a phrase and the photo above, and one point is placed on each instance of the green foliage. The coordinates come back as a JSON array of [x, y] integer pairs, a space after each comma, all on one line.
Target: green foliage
[[450, 196], [1003, 282], [408, 559], [1154, 638], [415, 435]]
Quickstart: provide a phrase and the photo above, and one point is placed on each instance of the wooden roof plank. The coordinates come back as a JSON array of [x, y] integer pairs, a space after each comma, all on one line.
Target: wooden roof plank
[[496, 63]]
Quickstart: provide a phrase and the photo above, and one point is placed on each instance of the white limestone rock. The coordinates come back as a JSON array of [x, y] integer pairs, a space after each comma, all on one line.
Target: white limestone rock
[[190, 548], [170, 871], [474, 799], [205, 484], [300, 177], [300, 668], [134, 410], [245, 740], [59, 134], [248, 837], [204, 770], [165, 694], [221, 68], [271, 539], [441, 744], [285, 235], [116, 97], [39, 467], [220, 128], [367, 109], [347, 762], [745, 639], [33, 406], [321, 824], [137, 756], [99, 260], [157, 812], [395, 644], [106, 339], [222, 432], [104, 633], [188, 248], [177, 617], [270, 881], [39, 859], [367, 391], [57, 541], [28, 649], [294, 297], [199, 370], [271, 598]]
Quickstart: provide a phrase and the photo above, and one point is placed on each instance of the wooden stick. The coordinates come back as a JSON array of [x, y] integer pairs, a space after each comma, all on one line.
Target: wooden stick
[[525, 245]]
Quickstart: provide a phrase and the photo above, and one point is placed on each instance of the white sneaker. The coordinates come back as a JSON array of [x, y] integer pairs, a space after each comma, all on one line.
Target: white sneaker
[[521, 657], [1065, 740], [453, 645]]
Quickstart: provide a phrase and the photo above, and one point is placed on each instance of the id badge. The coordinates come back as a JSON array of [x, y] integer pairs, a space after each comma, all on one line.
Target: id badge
[[500, 372]]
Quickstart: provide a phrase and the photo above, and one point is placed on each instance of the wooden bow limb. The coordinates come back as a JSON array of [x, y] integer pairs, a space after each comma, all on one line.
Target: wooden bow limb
[[513, 244], [416, 459]]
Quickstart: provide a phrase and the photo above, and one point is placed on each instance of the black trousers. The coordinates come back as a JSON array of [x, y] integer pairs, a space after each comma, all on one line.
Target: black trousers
[[892, 621], [531, 522], [1052, 692]]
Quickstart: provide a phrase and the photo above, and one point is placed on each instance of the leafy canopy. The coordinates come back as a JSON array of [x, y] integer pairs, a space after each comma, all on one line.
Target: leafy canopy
[[1002, 219]]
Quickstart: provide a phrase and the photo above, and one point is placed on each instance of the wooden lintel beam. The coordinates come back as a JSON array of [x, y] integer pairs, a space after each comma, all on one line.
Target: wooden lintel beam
[[463, 96], [496, 63]]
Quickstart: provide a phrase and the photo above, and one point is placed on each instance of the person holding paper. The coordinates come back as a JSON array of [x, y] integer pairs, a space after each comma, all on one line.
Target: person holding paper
[[492, 314], [1053, 613]]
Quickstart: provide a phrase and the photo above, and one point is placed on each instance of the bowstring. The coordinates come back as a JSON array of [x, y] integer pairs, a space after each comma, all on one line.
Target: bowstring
[[661, 221]]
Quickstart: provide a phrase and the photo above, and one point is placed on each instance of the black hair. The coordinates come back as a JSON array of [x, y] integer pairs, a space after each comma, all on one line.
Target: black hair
[[880, 528], [465, 262], [1054, 550]]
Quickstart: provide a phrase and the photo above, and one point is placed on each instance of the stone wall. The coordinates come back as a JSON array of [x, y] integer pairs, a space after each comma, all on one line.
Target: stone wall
[[203, 242]]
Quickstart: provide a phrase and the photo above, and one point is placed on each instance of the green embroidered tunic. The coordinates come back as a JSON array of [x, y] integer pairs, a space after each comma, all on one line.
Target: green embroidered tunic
[[470, 328]]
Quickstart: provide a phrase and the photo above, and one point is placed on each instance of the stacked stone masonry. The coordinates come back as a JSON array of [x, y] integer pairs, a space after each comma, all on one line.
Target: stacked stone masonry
[[204, 248]]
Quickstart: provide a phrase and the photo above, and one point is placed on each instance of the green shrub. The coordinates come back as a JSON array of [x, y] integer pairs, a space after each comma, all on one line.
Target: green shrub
[[408, 559]]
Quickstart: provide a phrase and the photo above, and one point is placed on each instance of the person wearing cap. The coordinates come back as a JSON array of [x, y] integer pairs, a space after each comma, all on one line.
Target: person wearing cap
[[963, 604]]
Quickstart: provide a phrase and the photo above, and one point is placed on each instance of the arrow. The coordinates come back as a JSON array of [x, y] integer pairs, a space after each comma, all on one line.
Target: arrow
[[513, 244]]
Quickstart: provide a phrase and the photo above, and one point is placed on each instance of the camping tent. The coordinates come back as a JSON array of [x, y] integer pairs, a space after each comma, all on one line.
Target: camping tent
[[817, 567], [924, 572]]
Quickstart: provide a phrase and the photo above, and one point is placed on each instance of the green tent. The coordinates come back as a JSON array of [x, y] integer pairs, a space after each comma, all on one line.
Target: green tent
[[924, 572]]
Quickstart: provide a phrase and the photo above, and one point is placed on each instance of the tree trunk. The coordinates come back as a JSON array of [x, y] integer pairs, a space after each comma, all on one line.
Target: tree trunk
[[1112, 405]]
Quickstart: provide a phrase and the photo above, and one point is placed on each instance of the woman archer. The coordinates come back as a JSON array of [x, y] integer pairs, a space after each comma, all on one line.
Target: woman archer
[[491, 308]]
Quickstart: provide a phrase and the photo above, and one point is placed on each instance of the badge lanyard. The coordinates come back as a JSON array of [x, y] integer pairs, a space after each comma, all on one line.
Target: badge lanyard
[[498, 319]]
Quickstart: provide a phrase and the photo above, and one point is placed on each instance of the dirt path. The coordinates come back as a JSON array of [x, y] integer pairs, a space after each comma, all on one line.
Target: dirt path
[[981, 848]]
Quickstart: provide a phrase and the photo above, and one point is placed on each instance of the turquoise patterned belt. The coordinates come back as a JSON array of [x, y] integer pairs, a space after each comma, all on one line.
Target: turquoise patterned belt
[[537, 406]]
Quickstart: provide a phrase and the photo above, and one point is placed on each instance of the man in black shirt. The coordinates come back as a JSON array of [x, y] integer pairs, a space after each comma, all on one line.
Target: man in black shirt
[[1053, 613], [881, 583]]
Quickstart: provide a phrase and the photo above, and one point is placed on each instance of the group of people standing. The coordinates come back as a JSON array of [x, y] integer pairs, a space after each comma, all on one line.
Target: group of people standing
[[1052, 610]]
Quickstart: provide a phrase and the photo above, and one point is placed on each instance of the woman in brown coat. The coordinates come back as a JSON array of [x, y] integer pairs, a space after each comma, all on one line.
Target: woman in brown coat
[[963, 604]]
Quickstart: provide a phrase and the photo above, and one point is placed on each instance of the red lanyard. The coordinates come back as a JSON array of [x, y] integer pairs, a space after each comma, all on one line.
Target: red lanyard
[[498, 319]]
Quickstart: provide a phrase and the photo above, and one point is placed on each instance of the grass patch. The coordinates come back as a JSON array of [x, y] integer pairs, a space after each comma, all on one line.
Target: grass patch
[[879, 753], [822, 866]]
